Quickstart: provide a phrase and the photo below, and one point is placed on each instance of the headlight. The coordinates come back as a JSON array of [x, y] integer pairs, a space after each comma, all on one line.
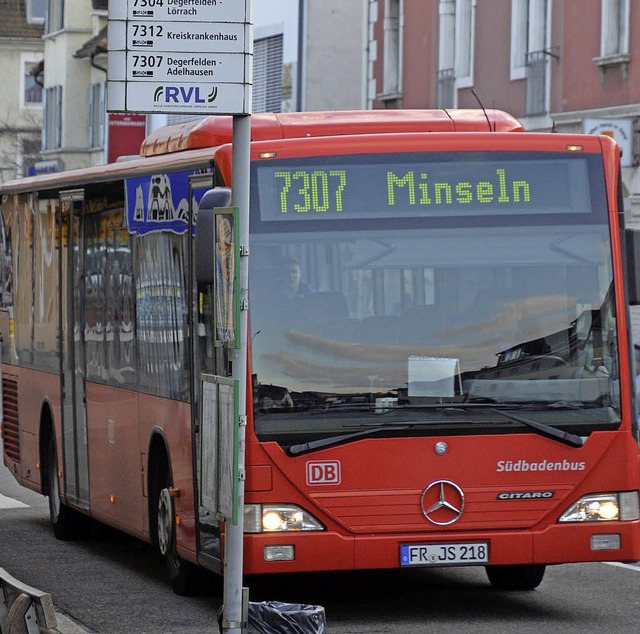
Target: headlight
[[603, 507], [277, 518]]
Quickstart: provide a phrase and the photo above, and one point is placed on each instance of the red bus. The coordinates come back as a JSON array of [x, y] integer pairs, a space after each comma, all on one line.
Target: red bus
[[439, 349]]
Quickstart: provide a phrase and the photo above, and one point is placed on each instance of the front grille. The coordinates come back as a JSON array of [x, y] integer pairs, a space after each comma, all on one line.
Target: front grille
[[10, 426], [399, 510]]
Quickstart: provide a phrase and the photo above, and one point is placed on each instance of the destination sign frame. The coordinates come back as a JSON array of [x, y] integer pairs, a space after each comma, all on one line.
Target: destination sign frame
[[187, 66], [422, 185]]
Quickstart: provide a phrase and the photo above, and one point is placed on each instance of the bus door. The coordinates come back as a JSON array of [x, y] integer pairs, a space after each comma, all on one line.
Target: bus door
[[72, 351], [207, 359]]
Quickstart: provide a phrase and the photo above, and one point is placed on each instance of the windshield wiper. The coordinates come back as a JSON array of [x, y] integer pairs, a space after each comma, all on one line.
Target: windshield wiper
[[545, 430], [321, 443]]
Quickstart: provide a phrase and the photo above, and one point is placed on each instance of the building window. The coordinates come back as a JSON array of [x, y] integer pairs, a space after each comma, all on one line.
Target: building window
[[30, 90], [446, 54], [52, 132], [96, 115], [54, 16], [371, 52], [267, 73], [614, 37], [519, 37], [530, 51], [536, 83], [392, 61], [29, 147], [455, 53], [464, 42], [537, 58], [35, 11]]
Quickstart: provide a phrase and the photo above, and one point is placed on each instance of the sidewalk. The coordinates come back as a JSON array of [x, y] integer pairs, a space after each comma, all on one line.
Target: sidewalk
[[26, 606]]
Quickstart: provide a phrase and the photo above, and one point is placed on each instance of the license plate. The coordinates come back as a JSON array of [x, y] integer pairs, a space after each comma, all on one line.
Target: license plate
[[444, 554]]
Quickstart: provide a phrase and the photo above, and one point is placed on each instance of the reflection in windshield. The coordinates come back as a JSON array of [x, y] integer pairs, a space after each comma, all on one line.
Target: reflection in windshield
[[396, 319]]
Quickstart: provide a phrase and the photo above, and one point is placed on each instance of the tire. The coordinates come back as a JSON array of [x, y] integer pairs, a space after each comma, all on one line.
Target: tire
[[182, 574], [522, 577], [67, 524]]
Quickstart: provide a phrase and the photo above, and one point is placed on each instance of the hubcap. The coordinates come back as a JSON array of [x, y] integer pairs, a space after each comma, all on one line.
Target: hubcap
[[165, 521]]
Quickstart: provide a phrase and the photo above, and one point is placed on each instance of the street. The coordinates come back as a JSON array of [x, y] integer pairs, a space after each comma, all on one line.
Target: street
[[113, 584]]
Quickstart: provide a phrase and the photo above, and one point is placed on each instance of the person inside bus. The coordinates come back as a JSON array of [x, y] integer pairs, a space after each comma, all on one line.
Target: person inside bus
[[292, 284]]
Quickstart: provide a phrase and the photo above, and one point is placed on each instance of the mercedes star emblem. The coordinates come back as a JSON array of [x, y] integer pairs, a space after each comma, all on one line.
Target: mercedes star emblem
[[442, 502]]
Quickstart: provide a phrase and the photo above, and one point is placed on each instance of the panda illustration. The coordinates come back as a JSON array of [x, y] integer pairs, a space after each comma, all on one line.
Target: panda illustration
[[160, 205]]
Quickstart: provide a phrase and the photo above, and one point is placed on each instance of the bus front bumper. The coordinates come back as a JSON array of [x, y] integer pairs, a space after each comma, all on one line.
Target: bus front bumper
[[325, 551]]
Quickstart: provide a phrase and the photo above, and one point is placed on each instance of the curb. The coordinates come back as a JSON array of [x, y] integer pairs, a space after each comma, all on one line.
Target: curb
[[67, 626]]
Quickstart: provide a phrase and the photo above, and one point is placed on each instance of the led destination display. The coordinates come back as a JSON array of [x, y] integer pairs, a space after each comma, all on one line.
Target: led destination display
[[418, 185]]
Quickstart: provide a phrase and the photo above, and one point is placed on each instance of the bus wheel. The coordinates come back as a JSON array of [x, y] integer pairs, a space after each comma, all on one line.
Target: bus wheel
[[523, 577], [181, 572], [67, 523]]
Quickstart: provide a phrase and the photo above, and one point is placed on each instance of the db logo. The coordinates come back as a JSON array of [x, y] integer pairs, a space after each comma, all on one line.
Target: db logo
[[323, 472]]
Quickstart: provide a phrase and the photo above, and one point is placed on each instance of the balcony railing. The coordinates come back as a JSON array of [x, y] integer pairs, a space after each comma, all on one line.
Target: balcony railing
[[446, 87], [536, 75]]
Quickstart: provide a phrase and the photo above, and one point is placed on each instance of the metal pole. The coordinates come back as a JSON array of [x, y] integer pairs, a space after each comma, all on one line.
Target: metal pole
[[233, 616]]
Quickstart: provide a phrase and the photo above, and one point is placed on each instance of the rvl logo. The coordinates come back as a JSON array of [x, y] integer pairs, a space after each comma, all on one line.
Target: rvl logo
[[183, 94], [323, 472]]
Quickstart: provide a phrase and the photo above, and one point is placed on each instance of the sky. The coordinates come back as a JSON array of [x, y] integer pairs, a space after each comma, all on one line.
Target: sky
[[268, 13]]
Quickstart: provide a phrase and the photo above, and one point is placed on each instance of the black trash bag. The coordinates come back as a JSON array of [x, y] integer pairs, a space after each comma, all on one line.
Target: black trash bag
[[275, 617]]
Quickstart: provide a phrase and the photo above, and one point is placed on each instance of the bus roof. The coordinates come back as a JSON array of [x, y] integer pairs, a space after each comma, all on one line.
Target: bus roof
[[217, 130]]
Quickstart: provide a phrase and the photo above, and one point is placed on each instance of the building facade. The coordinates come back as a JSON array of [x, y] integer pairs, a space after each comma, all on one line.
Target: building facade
[[563, 65], [21, 52], [67, 81], [332, 55]]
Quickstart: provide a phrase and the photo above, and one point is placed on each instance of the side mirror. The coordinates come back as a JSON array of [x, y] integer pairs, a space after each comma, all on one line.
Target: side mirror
[[632, 266], [205, 266]]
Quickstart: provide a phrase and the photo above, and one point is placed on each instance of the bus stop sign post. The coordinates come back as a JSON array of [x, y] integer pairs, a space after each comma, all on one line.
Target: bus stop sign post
[[234, 616], [136, 36]]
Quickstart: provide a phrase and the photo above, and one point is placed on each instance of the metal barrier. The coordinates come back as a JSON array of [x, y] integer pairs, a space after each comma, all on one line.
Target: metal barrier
[[23, 609]]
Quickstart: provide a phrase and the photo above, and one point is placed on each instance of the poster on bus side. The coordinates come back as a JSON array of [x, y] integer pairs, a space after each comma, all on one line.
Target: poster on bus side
[[160, 202], [227, 313]]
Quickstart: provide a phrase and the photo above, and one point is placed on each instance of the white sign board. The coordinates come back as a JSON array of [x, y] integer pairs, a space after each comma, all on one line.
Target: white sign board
[[620, 130], [219, 447], [180, 56], [176, 67], [182, 10], [433, 376]]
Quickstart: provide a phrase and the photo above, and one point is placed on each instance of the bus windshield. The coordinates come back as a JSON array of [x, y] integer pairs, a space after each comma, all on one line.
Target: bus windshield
[[430, 293]]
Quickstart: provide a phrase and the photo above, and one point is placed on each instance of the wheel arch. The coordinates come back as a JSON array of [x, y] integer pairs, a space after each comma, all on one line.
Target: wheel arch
[[46, 432], [158, 466]]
